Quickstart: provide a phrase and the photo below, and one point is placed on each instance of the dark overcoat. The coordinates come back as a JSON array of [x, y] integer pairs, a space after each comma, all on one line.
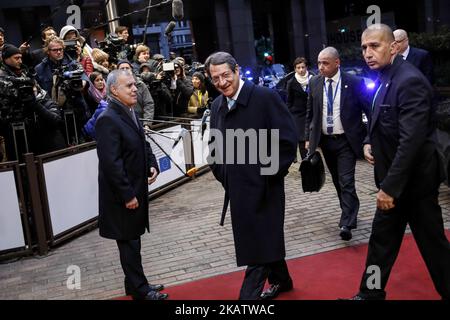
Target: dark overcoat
[[125, 159], [422, 60], [297, 102], [354, 102], [257, 201]]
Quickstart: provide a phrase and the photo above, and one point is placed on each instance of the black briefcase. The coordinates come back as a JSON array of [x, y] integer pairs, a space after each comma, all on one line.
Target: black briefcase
[[312, 172]]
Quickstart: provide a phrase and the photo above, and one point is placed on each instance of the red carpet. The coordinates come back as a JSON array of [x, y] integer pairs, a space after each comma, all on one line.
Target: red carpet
[[326, 276]]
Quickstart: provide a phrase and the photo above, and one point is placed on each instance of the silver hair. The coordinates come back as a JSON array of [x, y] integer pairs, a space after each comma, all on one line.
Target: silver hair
[[330, 51], [218, 58], [112, 79]]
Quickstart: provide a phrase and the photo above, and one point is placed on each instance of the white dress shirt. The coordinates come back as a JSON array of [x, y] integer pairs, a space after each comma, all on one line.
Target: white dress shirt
[[406, 53], [236, 95], [337, 124]]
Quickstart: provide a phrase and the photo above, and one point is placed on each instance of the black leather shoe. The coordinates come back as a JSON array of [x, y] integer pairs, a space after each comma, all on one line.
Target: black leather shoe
[[156, 287], [152, 287], [274, 290], [346, 233], [155, 295]]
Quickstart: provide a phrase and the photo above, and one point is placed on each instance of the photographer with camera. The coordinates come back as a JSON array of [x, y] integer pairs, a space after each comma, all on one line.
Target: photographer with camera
[[65, 79], [116, 47], [70, 33], [156, 80], [181, 87], [29, 119]]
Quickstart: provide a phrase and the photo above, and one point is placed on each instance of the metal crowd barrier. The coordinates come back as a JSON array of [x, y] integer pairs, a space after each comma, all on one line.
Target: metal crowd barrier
[[54, 197]]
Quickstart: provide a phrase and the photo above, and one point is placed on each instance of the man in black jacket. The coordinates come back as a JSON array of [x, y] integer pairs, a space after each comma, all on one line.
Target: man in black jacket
[[126, 167], [420, 58], [336, 102], [401, 146]]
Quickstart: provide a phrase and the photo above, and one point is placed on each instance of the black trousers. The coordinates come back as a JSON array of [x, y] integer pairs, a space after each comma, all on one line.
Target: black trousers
[[425, 220], [341, 161], [256, 276], [130, 258]]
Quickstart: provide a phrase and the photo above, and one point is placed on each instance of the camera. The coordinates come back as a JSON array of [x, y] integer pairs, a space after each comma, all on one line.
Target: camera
[[15, 94], [70, 48], [70, 77], [168, 67], [116, 48], [196, 67]]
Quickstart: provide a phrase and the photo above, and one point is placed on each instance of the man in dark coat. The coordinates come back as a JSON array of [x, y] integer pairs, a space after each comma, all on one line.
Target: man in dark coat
[[254, 187], [126, 167], [336, 102], [420, 58], [401, 145]]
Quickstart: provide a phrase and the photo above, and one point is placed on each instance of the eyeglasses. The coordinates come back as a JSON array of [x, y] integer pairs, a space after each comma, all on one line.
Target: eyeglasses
[[399, 41], [56, 50], [226, 76]]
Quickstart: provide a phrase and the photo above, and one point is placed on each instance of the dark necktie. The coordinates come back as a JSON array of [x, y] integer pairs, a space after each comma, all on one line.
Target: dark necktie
[[330, 107]]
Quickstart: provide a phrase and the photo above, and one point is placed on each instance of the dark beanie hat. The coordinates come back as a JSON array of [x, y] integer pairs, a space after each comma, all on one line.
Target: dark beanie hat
[[9, 50], [2, 30], [124, 61]]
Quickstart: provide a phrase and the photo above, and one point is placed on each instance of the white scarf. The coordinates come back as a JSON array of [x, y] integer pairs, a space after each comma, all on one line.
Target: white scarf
[[303, 80]]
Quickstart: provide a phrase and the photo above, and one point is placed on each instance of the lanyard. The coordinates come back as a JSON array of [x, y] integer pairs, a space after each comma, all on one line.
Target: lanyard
[[375, 96], [330, 103]]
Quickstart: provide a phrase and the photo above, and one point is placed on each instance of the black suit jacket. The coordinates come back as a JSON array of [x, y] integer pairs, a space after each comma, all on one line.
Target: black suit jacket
[[125, 159], [402, 133], [354, 101], [421, 59]]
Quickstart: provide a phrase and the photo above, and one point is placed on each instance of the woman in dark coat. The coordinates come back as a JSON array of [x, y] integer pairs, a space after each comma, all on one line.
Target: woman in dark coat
[[297, 89]]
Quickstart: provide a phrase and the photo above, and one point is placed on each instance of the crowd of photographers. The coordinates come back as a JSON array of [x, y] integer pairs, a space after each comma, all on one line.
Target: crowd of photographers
[[51, 96]]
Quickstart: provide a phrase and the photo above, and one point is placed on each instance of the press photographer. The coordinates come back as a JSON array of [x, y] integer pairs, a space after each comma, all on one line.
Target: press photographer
[[181, 88], [29, 120], [64, 79], [157, 83], [117, 48]]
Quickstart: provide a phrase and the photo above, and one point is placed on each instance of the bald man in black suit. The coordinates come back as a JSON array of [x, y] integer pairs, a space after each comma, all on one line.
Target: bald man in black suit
[[401, 145]]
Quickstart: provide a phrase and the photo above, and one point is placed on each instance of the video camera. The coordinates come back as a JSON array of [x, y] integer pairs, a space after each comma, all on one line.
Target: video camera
[[116, 48], [15, 93], [69, 77], [20, 88], [196, 67], [149, 78], [70, 48]]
